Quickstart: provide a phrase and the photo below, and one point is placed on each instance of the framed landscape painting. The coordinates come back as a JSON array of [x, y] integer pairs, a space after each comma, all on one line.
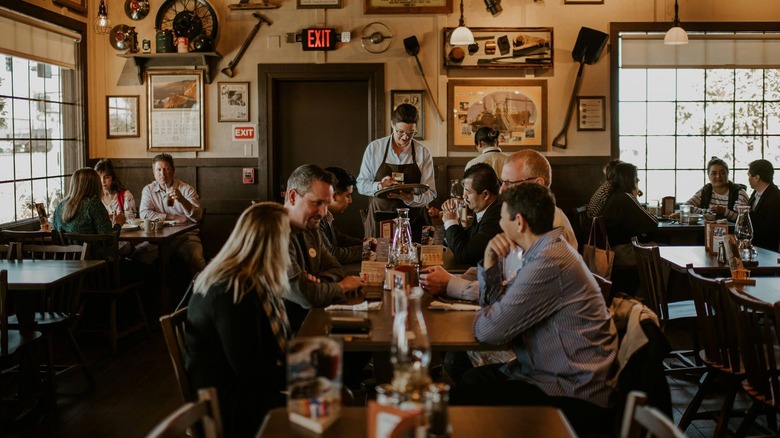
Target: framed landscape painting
[[175, 110]]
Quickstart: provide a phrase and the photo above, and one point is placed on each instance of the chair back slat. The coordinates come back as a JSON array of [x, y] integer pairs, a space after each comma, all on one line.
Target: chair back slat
[[641, 420], [173, 327], [101, 247], [648, 260], [204, 411], [3, 313], [717, 330], [39, 237], [758, 344]]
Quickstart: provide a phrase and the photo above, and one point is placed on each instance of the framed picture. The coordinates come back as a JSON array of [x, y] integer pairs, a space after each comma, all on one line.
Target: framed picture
[[407, 7], [502, 48], [416, 98], [583, 2], [175, 110], [79, 6], [590, 113], [122, 116], [233, 102], [319, 4], [517, 109]]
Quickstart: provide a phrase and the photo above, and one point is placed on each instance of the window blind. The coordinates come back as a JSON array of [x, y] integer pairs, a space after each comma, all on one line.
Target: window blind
[[32, 39]]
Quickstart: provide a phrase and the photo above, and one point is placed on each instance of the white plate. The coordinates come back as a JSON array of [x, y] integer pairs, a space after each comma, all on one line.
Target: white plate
[[130, 227], [170, 223]]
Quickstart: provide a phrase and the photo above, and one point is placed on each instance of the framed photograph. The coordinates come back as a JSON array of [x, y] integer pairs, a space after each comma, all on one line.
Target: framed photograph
[[79, 6], [583, 2], [517, 109], [122, 116], [319, 4], [233, 102], [407, 7], [502, 48], [590, 113], [175, 110], [414, 97]]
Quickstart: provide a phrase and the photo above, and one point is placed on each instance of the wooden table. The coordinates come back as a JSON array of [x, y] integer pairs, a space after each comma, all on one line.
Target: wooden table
[[467, 422], [766, 289], [448, 259], [448, 330], [162, 238], [677, 257]]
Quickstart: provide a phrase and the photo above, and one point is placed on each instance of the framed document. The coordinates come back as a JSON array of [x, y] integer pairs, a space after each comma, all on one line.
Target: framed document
[[175, 110], [319, 4], [233, 102], [413, 97], [122, 116], [590, 113], [407, 7], [517, 109]]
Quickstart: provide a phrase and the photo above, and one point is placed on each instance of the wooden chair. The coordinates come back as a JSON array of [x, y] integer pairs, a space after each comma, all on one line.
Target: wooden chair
[[204, 411], [646, 421], [648, 260], [107, 284], [583, 224], [12, 344], [758, 343], [6, 252], [719, 353], [173, 331], [58, 308], [28, 237]]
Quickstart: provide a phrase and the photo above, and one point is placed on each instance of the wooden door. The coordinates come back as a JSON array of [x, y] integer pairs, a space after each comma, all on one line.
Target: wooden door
[[321, 114]]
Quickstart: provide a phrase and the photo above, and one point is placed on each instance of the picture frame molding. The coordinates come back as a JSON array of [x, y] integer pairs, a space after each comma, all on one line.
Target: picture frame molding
[[394, 94], [383, 7], [222, 115], [319, 4], [483, 37], [535, 86], [79, 6], [134, 115], [584, 100], [157, 117], [583, 2]]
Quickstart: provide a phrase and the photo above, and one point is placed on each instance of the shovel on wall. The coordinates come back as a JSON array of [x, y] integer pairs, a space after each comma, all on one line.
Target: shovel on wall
[[587, 50], [412, 47]]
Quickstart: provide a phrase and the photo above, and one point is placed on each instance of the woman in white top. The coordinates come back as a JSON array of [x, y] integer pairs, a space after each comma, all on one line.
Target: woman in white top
[[720, 195], [116, 199]]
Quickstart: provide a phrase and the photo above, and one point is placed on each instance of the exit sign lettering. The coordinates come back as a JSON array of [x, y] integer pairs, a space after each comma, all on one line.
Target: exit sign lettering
[[319, 39], [244, 132]]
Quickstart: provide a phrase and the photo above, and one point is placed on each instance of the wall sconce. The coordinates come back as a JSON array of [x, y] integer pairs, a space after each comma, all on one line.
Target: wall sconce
[[461, 36], [102, 24], [676, 35], [494, 7]]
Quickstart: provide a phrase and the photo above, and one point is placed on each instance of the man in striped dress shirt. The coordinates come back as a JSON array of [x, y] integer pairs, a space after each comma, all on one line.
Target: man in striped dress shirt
[[552, 313]]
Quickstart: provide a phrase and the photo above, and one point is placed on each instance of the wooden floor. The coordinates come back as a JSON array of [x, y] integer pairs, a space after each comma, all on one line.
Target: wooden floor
[[137, 388]]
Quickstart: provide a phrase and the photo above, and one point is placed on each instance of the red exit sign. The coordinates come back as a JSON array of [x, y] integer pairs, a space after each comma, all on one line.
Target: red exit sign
[[319, 39], [244, 132]]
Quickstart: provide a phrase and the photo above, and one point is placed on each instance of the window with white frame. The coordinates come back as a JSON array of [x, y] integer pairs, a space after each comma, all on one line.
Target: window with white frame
[[41, 133], [678, 106]]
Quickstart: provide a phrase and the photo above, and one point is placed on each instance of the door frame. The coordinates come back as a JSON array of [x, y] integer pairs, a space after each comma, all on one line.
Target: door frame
[[269, 74]]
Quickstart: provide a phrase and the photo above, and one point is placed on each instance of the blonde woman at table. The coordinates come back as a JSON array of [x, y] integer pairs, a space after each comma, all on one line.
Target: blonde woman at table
[[82, 211], [237, 328], [720, 195], [116, 198]]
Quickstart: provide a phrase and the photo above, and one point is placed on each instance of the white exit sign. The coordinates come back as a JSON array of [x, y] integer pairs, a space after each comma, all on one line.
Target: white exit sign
[[244, 132]]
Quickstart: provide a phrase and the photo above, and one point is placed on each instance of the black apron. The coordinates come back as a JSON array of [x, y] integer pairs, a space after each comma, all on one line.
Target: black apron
[[418, 216]]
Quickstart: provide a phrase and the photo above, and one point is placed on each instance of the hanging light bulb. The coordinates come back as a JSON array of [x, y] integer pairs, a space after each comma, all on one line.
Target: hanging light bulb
[[676, 35], [461, 36], [102, 24]]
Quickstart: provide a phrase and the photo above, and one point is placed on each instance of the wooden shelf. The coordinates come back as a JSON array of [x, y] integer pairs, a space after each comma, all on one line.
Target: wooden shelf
[[142, 61]]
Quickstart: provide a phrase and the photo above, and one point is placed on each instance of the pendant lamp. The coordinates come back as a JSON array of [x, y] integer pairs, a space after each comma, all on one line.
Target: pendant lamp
[[676, 35], [102, 24], [461, 36]]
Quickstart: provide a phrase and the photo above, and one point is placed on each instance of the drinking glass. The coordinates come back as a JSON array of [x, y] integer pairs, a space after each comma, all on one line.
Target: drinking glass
[[685, 213]]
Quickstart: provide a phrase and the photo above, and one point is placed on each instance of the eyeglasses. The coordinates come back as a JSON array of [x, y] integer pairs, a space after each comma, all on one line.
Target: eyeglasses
[[508, 183], [407, 134]]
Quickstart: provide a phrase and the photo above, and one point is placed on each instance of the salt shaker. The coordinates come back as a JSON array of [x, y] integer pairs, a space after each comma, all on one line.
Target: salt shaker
[[436, 399], [721, 253]]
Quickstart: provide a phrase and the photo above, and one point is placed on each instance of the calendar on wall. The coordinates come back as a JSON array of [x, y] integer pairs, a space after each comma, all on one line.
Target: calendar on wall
[[175, 110]]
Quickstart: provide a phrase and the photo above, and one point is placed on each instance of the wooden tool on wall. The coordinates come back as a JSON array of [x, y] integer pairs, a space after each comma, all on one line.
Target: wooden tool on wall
[[587, 50], [245, 5], [412, 47]]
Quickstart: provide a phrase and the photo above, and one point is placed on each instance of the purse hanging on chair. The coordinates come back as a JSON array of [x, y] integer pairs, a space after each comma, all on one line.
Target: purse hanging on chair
[[598, 260]]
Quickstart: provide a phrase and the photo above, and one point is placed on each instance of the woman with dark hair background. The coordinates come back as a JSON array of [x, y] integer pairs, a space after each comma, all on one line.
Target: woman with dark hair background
[[116, 198], [600, 196], [486, 142], [720, 195]]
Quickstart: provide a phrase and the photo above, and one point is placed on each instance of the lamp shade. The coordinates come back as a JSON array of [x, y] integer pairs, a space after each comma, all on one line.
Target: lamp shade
[[676, 36], [461, 36]]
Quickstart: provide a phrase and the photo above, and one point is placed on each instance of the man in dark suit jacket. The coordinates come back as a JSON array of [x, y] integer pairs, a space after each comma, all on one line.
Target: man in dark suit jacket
[[764, 205], [347, 249], [480, 194]]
